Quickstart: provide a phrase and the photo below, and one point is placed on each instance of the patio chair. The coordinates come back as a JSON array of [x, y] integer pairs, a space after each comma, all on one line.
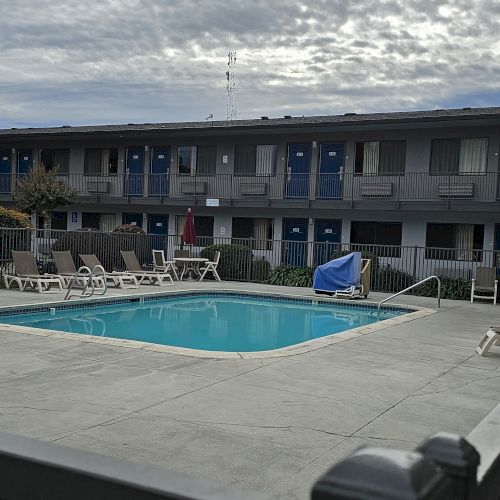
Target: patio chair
[[484, 285], [489, 339], [160, 264], [114, 278], [67, 270], [27, 274], [154, 277], [211, 267]]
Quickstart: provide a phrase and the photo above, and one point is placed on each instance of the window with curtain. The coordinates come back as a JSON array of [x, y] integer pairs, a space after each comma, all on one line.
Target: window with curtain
[[55, 159], [206, 160], [459, 156], [261, 230], [258, 160], [107, 222], [380, 158], [92, 163], [203, 228], [369, 233], [454, 241], [186, 160]]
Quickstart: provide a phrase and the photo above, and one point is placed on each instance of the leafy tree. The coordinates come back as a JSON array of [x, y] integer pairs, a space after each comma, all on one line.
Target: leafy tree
[[41, 191]]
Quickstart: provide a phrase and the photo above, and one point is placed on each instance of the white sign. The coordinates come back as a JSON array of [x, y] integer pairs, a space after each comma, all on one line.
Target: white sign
[[159, 224], [135, 157], [25, 158], [300, 153], [223, 230], [295, 229], [160, 157], [332, 153], [212, 202], [328, 231], [5, 158], [224, 159], [133, 223]]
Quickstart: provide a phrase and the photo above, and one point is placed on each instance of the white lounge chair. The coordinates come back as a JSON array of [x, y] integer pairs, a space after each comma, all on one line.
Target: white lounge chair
[[490, 338], [211, 267], [485, 284], [162, 265], [154, 277], [27, 274]]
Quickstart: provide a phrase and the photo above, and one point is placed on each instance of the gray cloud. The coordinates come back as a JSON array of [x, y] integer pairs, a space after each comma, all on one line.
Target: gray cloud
[[114, 61]]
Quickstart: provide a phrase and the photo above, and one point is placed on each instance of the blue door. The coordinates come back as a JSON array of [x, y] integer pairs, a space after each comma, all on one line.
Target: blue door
[[24, 161], [158, 231], [5, 165], [160, 168], [297, 175], [331, 168], [327, 238], [295, 244], [132, 219], [135, 171]]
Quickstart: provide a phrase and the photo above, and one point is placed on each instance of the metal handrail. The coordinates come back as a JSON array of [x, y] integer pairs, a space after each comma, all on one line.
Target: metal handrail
[[85, 272], [414, 286]]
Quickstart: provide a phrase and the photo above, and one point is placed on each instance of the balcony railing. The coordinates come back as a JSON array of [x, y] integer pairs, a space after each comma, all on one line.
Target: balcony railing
[[416, 186]]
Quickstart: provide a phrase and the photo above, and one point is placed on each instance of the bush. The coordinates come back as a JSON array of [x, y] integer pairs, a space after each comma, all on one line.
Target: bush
[[234, 260], [14, 218], [129, 229], [451, 288], [392, 280], [261, 270], [292, 276]]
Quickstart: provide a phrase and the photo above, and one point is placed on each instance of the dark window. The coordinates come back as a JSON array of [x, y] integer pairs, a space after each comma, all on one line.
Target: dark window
[[206, 160], [59, 221], [459, 156], [91, 220], [260, 230], [454, 241], [380, 158], [185, 160], [204, 230], [92, 161], [245, 159], [385, 234], [112, 161]]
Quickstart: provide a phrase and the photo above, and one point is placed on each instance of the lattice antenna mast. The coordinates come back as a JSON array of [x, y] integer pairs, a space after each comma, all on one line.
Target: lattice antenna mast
[[230, 83]]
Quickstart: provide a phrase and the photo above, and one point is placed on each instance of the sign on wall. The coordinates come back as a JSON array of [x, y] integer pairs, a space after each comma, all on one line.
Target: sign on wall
[[74, 217]]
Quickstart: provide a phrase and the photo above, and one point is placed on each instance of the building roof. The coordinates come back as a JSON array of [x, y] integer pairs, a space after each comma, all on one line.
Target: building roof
[[347, 119]]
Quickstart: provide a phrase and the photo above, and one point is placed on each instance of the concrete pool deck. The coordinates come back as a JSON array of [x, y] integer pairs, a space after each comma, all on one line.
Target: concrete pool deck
[[269, 425]]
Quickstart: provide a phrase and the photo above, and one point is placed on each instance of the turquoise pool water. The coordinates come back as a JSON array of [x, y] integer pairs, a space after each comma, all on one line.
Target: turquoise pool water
[[212, 322]]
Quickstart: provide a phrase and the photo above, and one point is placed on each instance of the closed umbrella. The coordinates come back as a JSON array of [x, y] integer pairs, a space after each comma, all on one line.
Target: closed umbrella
[[188, 235]]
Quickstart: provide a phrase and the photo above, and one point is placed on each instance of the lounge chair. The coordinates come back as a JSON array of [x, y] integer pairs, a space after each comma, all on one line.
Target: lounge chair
[[485, 283], [66, 270], [114, 278], [154, 277], [211, 267], [489, 339], [27, 274], [162, 265]]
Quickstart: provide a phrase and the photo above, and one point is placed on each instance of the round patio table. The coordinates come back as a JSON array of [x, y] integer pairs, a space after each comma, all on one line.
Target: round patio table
[[190, 265]]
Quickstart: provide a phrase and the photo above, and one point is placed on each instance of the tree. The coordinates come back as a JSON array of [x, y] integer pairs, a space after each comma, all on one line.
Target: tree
[[41, 191]]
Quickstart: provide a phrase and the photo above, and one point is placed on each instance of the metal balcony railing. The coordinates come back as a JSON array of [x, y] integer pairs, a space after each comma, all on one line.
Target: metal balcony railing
[[411, 186]]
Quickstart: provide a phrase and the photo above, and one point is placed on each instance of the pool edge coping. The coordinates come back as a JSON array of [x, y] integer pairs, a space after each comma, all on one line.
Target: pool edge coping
[[417, 312]]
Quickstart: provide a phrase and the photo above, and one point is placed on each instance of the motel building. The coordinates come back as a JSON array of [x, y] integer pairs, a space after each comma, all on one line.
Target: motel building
[[424, 179]]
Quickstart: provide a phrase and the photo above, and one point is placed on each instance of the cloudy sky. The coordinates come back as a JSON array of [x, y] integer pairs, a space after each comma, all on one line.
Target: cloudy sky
[[127, 61]]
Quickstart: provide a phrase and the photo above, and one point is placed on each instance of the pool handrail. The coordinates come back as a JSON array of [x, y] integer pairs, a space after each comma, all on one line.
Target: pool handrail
[[84, 271], [414, 286]]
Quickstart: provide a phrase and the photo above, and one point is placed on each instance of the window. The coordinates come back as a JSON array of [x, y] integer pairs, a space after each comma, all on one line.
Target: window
[[58, 221], [99, 222], [251, 159], [459, 156], [203, 228], [186, 159], [462, 240], [261, 230], [206, 160], [55, 159], [100, 161], [380, 158], [378, 233]]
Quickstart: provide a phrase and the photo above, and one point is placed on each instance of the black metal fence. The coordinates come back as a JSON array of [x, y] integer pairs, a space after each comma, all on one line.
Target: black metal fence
[[393, 267]]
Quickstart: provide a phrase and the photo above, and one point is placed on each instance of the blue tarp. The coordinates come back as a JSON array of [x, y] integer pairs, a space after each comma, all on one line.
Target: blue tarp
[[338, 274]]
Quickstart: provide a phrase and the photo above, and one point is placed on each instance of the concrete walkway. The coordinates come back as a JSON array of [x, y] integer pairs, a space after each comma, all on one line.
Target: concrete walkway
[[270, 425]]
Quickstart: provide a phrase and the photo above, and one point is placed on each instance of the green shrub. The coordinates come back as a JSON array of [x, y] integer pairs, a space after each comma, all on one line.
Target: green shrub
[[392, 280], [10, 239], [261, 270], [292, 276], [14, 218], [451, 288], [129, 229], [234, 260]]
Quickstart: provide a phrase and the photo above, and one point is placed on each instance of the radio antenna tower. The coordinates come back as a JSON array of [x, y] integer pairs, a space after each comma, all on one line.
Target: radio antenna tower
[[230, 83]]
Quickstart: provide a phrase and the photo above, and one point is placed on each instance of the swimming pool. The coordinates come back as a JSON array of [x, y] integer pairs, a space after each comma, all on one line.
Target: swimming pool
[[227, 322]]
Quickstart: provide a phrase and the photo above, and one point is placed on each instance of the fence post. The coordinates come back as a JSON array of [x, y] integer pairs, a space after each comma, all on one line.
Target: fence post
[[458, 458], [379, 473], [414, 264], [249, 259]]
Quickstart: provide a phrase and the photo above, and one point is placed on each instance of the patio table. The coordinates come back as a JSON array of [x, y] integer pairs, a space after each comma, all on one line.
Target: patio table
[[190, 264]]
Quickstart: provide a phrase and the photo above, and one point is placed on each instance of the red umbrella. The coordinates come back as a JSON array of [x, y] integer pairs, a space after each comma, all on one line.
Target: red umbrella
[[188, 235]]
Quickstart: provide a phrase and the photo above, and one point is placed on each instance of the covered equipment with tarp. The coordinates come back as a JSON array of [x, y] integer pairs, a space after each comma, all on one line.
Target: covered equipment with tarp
[[342, 276]]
